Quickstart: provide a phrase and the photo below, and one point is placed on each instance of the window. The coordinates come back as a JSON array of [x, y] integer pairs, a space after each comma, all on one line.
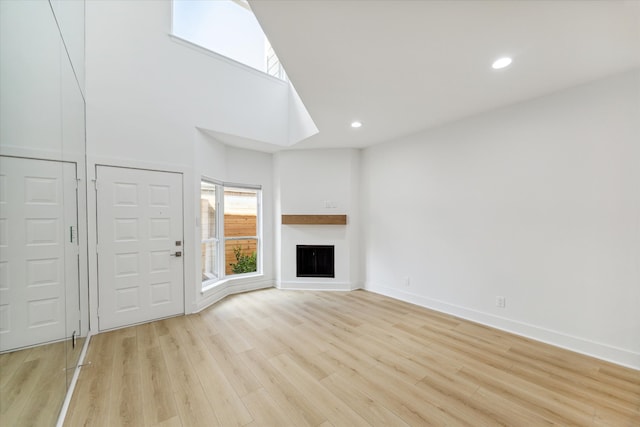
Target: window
[[227, 27], [209, 227], [230, 227]]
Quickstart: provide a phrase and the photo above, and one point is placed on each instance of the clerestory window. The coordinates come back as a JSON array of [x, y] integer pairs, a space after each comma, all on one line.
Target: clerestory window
[[229, 28]]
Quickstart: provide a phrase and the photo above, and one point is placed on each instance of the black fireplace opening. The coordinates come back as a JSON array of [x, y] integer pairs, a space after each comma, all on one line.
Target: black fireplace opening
[[315, 261]]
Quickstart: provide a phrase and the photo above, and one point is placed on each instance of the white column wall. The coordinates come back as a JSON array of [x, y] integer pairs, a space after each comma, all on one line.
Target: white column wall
[[305, 180]]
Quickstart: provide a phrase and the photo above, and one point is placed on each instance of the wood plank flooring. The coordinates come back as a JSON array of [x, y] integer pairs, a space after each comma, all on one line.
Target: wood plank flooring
[[33, 383], [298, 358]]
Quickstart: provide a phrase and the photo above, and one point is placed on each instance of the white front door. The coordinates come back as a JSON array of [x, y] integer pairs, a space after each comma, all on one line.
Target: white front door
[[38, 250], [140, 245]]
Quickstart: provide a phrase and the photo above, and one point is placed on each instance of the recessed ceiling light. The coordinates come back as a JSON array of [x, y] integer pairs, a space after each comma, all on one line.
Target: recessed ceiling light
[[501, 63], [356, 124]]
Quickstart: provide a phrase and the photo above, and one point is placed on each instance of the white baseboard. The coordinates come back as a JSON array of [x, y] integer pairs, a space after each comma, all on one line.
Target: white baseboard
[[580, 345], [317, 286]]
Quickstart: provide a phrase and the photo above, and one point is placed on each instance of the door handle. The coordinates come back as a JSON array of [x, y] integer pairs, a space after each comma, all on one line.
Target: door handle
[[177, 254]]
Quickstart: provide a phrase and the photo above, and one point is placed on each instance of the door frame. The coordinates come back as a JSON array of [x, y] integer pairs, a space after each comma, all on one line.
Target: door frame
[[92, 216]]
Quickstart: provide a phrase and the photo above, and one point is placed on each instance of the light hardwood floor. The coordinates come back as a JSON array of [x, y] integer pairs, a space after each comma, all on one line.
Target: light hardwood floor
[[33, 383], [298, 358]]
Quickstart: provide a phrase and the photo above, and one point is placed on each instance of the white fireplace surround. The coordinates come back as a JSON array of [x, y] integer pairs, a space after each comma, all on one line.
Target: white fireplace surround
[[337, 236]]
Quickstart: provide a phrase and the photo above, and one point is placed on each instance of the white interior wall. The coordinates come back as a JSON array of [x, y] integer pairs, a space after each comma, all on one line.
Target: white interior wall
[[218, 161], [301, 125], [253, 167], [147, 92], [306, 179], [538, 202], [147, 96]]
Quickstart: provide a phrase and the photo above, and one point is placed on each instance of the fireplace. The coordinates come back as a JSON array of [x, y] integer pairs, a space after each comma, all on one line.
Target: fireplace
[[315, 261]]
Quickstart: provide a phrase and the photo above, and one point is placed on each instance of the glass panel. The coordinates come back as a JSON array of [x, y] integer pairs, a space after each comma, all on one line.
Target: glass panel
[[240, 212], [241, 256], [209, 231], [208, 210], [209, 260], [229, 28], [240, 233]]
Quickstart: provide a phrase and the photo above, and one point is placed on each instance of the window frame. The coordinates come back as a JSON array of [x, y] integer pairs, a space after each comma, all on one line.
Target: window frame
[[220, 240], [212, 277]]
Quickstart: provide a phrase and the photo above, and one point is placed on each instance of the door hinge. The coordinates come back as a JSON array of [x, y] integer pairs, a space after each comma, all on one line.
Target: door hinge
[[95, 184]]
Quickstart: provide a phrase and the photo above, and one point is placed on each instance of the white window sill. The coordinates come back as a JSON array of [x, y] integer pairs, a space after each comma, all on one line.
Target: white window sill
[[238, 278], [219, 56]]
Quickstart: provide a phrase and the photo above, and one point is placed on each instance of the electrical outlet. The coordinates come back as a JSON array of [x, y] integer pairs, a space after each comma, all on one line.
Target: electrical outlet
[[501, 302], [406, 281]]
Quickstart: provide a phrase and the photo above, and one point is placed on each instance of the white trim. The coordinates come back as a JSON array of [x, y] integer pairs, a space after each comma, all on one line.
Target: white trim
[[231, 279], [221, 239], [74, 381], [598, 350], [318, 286], [231, 184], [242, 186], [229, 287], [179, 40], [210, 181], [39, 154], [126, 162], [189, 274]]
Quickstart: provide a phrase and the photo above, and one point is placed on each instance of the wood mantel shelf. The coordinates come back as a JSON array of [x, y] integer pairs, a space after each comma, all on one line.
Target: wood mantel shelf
[[315, 219]]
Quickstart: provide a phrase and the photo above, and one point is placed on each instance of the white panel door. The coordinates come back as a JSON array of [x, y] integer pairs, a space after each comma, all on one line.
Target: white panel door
[[38, 250], [140, 267]]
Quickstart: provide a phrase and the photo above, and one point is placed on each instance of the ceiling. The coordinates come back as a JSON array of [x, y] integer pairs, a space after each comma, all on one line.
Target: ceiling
[[401, 67]]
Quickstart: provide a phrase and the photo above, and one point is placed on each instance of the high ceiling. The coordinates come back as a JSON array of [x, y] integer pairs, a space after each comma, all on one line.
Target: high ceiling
[[400, 66]]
